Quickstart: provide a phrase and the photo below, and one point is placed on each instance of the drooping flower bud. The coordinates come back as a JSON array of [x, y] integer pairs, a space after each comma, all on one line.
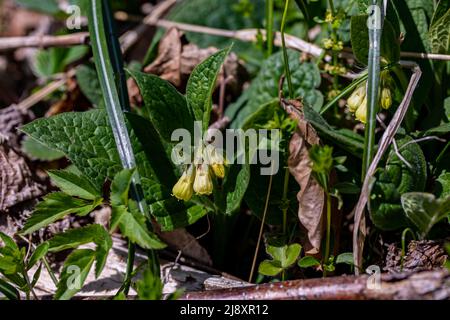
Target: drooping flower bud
[[361, 112], [183, 188], [217, 162], [386, 98], [203, 184], [356, 98]]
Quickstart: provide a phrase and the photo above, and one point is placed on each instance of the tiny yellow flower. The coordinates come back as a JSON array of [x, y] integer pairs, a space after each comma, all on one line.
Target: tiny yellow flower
[[386, 98], [339, 46], [356, 98], [183, 190], [361, 112], [328, 43], [203, 184], [329, 17]]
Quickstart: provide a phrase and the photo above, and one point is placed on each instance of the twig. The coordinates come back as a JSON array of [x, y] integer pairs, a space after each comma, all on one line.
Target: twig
[[404, 286], [10, 43], [126, 40], [129, 38], [386, 140]]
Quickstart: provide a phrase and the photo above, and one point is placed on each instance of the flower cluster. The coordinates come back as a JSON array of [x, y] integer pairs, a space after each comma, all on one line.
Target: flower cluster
[[198, 176], [357, 102], [334, 45]]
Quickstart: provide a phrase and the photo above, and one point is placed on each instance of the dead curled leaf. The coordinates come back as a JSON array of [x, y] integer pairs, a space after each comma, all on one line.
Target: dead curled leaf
[[311, 197], [177, 59], [17, 183]]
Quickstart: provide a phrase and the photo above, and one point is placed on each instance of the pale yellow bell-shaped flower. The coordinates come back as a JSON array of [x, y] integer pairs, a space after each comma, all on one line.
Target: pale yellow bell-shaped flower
[[386, 98], [217, 161], [203, 183], [356, 98], [183, 189], [361, 112]]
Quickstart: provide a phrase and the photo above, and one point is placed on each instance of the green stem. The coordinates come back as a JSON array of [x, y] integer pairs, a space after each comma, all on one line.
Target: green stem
[[284, 200], [50, 271], [269, 27], [130, 265], [327, 244], [404, 233], [261, 229], [287, 70], [331, 4], [372, 95]]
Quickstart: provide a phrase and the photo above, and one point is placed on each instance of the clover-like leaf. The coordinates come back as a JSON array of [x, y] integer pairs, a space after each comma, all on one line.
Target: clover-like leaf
[[424, 210]]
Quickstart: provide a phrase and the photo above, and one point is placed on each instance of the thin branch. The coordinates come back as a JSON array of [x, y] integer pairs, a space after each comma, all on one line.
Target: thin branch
[[358, 231], [9, 43]]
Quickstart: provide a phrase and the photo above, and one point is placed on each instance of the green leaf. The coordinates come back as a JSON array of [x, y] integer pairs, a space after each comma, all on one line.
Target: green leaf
[[390, 46], [424, 210], [56, 206], [38, 254], [38, 151], [87, 80], [264, 88], [270, 268], [87, 140], [150, 287], [120, 187], [444, 181], [397, 178], [441, 9], [164, 106], [44, 6], [9, 291], [349, 141], [201, 85], [9, 242], [308, 262], [133, 226], [76, 237], [286, 255], [439, 34], [55, 60], [346, 257], [235, 185], [74, 185], [75, 271]]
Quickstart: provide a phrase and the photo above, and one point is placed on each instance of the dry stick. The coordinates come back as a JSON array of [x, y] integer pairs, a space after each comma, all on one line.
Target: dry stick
[[359, 225], [9, 43], [430, 285], [127, 40]]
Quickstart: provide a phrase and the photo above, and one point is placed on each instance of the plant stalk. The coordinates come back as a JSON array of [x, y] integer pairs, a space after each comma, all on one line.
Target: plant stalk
[[287, 70], [269, 27], [327, 244], [373, 84]]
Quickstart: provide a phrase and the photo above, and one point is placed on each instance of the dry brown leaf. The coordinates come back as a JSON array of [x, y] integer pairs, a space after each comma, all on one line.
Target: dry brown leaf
[[17, 183], [168, 63], [311, 197], [182, 240]]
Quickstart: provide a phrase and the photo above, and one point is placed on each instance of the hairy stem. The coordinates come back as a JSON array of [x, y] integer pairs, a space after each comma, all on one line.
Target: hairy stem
[[372, 94], [287, 70], [261, 229], [327, 244], [269, 27]]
